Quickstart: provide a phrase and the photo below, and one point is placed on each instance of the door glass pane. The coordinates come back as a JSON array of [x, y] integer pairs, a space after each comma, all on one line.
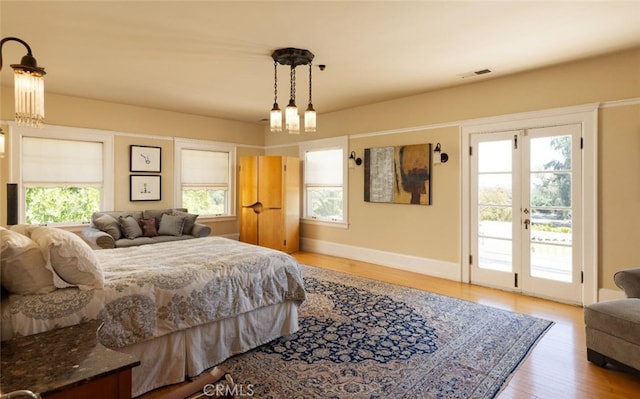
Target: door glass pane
[[495, 254], [551, 262], [551, 189], [551, 226], [551, 153], [495, 205], [494, 156], [495, 189], [495, 221]]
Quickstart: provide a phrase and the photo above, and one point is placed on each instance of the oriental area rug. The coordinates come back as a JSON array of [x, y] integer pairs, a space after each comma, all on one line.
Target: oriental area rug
[[361, 338]]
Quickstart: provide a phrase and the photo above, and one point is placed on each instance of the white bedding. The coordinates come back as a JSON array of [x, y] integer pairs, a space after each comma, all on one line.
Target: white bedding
[[157, 289]]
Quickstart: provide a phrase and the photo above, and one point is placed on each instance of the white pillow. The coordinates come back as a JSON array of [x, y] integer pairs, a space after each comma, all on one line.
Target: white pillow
[[22, 267], [24, 229], [71, 260]]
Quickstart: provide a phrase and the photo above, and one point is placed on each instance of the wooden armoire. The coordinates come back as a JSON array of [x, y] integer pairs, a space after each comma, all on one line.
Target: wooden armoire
[[270, 201]]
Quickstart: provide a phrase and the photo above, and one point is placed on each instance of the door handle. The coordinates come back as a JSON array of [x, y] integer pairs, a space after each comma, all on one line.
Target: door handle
[[526, 224], [257, 207]]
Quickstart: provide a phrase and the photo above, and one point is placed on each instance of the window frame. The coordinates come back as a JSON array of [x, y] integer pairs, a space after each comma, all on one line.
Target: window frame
[[17, 133], [341, 143], [204, 145]]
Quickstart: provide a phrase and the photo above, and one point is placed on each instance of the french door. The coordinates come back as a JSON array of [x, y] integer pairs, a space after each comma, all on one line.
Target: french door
[[525, 209]]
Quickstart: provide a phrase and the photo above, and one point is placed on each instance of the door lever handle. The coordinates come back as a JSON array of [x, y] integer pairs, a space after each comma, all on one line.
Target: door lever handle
[[526, 224]]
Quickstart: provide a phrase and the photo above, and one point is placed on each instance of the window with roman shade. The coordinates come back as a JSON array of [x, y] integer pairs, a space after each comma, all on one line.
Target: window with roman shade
[[205, 179], [324, 194], [63, 180]]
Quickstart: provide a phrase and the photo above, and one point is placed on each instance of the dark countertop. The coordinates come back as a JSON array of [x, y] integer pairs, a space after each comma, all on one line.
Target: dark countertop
[[58, 359]]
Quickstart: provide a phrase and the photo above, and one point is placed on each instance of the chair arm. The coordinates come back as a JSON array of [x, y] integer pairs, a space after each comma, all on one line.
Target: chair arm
[[200, 230], [98, 238], [629, 281]]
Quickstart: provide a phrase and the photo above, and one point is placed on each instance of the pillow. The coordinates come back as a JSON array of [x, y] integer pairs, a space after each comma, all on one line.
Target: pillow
[[189, 220], [24, 229], [148, 227], [70, 259], [130, 227], [156, 213], [171, 225], [22, 267], [109, 225]]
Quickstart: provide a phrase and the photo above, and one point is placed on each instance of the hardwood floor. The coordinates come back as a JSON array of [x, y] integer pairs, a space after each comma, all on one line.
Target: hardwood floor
[[556, 368]]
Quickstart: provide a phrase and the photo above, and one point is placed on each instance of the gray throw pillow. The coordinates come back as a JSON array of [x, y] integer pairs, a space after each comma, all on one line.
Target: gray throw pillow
[[156, 213], [171, 225], [109, 225], [130, 227], [189, 220]]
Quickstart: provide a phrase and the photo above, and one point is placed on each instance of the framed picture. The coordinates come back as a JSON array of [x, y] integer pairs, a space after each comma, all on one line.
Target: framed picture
[[145, 188], [145, 158], [398, 174]]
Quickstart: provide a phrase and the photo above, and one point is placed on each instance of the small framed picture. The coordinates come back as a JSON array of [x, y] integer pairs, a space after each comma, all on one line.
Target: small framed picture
[[145, 188], [145, 158]]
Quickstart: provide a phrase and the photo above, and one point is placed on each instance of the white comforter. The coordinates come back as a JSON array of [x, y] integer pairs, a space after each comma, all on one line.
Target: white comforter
[[153, 290]]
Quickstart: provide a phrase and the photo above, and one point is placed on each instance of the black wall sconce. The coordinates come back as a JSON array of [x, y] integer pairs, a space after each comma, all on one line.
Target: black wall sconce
[[353, 160], [439, 156]]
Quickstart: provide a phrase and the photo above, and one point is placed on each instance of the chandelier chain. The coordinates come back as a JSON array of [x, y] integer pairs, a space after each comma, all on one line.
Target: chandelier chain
[[293, 83], [309, 82], [275, 80]]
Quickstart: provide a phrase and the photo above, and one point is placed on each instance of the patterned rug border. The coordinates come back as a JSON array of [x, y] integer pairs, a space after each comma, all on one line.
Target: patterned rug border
[[430, 376]]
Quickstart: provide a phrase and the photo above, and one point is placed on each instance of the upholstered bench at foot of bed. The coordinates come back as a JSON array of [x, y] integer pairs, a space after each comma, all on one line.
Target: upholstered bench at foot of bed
[[613, 332]]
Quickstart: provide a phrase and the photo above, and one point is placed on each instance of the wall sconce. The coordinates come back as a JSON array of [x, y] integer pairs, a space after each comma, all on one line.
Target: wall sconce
[[353, 161], [28, 86], [439, 156], [1, 144]]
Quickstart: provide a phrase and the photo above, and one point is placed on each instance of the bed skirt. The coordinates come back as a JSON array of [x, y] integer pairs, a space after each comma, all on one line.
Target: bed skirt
[[173, 358]]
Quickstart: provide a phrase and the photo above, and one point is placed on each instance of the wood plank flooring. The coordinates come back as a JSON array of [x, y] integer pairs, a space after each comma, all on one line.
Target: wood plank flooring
[[556, 368]]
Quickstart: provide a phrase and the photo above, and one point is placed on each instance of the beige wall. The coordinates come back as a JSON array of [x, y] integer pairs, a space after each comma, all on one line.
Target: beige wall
[[434, 232], [431, 232], [138, 126], [619, 190]]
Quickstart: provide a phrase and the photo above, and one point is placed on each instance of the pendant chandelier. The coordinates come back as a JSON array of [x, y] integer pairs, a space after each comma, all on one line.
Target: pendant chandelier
[[292, 57], [28, 86]]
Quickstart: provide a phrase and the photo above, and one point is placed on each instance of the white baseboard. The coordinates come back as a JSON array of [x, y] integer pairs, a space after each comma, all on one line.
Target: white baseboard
[[605, 294], [430, 267]]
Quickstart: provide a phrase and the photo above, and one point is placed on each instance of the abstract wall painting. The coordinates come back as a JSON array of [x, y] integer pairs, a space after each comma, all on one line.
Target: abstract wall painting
[[398, 174]]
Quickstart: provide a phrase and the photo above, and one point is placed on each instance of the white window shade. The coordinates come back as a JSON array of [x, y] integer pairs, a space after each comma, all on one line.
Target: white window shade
[[60, 161], [324, 167], [204, 167]]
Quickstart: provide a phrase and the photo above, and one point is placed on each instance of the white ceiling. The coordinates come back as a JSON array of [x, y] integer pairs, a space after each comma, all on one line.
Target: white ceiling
[[213, 58]]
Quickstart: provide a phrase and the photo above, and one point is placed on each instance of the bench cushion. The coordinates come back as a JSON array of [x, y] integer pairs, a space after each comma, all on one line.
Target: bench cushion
[[619, 318]]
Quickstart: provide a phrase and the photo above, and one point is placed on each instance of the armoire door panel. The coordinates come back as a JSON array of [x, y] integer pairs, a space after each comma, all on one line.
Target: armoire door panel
[[271, 229], [270, 181], [248, 181], [248, 226]]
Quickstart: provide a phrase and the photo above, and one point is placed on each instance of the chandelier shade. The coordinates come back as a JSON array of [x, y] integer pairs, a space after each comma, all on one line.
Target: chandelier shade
[[292, 57], [28, 87]]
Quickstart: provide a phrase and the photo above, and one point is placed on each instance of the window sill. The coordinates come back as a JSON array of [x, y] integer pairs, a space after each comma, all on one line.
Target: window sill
[[325, 223], [213, 218]]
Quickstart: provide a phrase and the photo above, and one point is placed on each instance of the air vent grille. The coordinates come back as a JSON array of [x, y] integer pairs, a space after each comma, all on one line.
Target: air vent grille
[[473, 74]]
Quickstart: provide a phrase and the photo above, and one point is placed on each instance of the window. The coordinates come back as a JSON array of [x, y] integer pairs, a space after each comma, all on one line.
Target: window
[[63, 176], [325, 180], [205, 175]]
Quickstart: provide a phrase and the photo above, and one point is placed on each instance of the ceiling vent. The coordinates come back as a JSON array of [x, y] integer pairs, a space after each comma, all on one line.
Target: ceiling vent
[[475, 73]]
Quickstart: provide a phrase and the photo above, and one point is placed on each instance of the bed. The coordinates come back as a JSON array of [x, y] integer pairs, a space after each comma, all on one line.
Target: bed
[[180, 307]]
